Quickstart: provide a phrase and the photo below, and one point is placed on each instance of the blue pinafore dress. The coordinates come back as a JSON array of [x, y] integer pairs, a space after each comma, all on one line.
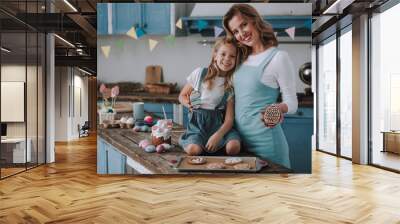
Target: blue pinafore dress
[[251, 97], [203, 123]]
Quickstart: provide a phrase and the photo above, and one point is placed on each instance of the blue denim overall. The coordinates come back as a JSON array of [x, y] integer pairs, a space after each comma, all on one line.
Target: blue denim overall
[[251, 97], [203, 123]]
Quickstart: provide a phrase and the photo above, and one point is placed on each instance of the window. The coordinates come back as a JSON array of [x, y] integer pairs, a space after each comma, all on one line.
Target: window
[[385, 86], [346, 75], [327, 96]]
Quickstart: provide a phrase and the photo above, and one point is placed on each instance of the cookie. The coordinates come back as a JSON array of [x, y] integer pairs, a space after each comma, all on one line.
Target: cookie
[[272, 115], [196, 160], [242, 166], [233, 160], [216, 166]]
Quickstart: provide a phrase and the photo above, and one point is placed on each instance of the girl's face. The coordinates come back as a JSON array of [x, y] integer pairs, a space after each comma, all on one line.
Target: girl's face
[[244, 30], [225, 57]]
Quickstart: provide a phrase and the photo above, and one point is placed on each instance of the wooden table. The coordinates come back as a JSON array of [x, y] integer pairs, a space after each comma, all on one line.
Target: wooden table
[[126, 141], [391, 141]]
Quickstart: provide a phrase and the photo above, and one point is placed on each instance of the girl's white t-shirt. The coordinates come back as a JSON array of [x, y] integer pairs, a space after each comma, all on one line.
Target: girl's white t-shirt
[[210, 98], [278, 73]]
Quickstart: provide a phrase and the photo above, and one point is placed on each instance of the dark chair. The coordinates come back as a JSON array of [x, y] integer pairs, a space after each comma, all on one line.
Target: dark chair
[[84, 130]]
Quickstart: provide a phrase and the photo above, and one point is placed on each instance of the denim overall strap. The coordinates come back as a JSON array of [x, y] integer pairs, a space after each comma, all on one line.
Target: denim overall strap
[[267, 60], [199, 81]]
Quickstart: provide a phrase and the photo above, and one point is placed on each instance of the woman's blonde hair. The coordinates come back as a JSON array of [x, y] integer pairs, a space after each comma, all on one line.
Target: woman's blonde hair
[[267, 35], [213, 70]]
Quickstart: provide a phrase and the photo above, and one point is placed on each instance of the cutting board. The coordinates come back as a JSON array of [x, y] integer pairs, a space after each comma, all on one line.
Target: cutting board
[[154, 74]]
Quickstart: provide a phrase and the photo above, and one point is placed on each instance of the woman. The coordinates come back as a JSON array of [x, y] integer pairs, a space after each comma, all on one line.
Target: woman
[[263, 73]]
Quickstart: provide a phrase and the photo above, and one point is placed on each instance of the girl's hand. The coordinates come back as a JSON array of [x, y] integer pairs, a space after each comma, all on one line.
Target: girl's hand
[[187, 102], [212, 144]]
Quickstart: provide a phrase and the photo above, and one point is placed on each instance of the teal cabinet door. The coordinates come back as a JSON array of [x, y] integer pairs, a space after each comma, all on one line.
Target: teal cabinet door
[[156, 18], [298, 129], [101, 156], [157, 109], [102, 19], [116, 161], [109, 159], [125, 16]]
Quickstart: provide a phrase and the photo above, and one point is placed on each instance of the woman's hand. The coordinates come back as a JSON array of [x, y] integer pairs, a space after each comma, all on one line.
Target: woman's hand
[[212, 144], [282, 108]]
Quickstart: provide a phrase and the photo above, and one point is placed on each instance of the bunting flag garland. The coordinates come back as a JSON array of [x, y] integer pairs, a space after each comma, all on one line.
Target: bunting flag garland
[[139, 32], [152, 44], [179, 24], [106, 50], [120, 44], [201, 25], [132, 33], [291, 32], [217, 31], [170, 39]]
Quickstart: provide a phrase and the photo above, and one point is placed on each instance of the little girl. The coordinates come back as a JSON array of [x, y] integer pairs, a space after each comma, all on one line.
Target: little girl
[[211, 116]]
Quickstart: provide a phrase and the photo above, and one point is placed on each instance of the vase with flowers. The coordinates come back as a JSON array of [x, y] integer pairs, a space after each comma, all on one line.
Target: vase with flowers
[[108, 112]]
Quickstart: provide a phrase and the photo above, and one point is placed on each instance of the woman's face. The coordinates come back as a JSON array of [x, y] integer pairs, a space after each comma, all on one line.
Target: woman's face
[[225, 57], [244, 30]]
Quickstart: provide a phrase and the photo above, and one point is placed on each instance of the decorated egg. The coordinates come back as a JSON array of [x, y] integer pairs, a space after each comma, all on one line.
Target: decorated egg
[[137, 128], [144, 128], [167, 146], [144, 143], [150, 148], [160, 148], [130, 120], [123, 120], [148, 120]]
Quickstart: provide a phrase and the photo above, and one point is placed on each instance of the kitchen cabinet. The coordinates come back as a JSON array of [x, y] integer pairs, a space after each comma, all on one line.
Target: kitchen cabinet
[[298, 129], [157, 109], [102, 19], [153, 18], [124, 16], [109, 159]]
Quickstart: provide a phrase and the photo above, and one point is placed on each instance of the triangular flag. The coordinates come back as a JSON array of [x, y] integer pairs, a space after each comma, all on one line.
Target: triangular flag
[[291, 31], [179, 24], [170, 39], [152, 44], [201, 25], [276, 34], [217, 31], [120, 44], [132, 33], [140, 32], [106, 50]]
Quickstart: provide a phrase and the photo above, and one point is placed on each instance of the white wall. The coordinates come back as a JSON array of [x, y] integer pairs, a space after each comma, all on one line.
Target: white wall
[[178, 60], [67, 80]]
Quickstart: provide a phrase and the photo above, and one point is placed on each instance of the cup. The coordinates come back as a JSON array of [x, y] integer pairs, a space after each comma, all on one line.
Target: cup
[[138, 111]]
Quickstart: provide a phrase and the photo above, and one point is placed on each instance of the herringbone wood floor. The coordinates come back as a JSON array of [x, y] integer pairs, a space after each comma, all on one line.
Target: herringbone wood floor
[[70, 191]]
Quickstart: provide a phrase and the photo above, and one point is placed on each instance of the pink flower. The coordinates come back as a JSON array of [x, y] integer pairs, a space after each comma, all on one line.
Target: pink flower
[[115, 91], [102, 88]]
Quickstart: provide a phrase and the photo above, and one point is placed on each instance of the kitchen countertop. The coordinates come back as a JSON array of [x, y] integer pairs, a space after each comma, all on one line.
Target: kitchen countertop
[[126, 141]]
